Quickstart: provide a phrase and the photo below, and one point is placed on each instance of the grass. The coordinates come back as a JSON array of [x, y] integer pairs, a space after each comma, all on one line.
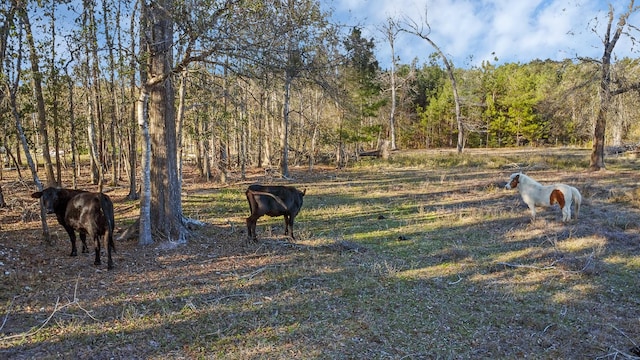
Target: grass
[[423, 256]]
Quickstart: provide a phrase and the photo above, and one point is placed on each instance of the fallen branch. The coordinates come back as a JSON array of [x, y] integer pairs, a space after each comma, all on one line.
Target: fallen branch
[[586, 269], [253, 274], [6, 316], [549, 267], [34, 330], [56, 309], [455, 282]]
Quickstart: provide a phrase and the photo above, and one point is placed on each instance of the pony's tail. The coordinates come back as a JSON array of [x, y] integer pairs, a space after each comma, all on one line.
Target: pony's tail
[[577, 199]]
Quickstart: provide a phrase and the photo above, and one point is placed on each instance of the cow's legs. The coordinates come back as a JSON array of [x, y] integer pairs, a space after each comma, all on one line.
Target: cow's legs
[[286, 225], [110, 246], [96, 239], [72, 238], [251, 228], [83, 238], [291, 227], [109, 241]]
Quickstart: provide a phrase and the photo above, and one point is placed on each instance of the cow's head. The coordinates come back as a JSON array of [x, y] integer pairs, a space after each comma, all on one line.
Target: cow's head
[[49, 198]]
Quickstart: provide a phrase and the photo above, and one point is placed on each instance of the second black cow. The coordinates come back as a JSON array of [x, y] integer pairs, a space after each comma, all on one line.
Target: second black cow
[[273, 200], [88, 213]]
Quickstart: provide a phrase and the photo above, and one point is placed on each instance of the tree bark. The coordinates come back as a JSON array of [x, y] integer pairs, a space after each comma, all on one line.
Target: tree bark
[[605, 92], [180, 119], [166, 208], [391, 33], [112, 92], [13, 93], [144, 234], [284, 135], [449, 67], [3, 204], [75, 163], [133, 188], [36, 81]]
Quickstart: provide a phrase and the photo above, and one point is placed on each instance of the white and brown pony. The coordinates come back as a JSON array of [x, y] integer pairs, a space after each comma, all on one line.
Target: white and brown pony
[[535, 194]]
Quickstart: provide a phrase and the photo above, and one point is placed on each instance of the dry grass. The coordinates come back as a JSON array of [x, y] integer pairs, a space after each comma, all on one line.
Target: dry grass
[[425, 256]]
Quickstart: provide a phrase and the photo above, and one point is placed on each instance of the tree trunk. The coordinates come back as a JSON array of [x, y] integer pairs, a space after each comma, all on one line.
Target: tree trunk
[[391, 33], [180, 120], [53, 91], [75, 163], [3, 204], [96, 98], [36, 80], [597, 154], [13, 93], [166, 209], [145, 237], [112, 92], [609, 42], [449, 67], [133, 188], [284, 135]]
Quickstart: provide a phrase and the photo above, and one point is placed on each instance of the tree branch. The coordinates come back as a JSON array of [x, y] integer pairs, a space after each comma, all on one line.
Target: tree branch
[[625, 89]]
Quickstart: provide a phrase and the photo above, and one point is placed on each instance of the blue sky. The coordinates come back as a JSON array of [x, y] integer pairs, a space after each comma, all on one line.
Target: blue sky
[[470, 31]]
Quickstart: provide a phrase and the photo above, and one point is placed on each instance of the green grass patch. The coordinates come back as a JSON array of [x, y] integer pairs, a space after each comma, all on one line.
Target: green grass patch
[[423, 256]]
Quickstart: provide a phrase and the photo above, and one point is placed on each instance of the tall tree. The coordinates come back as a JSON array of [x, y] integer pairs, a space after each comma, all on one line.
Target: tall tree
[[609, 41], [166, 209], [111, 85], [133, 123], [36, 82], [362, 83], [391, 31], [413, 28], [92, 77], [164, 216], [13, 94], [53, 86]]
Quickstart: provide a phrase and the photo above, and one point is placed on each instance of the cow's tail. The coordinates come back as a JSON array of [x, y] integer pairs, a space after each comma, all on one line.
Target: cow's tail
[[107, 209], [577, 199], [274, 197], [253, 206]]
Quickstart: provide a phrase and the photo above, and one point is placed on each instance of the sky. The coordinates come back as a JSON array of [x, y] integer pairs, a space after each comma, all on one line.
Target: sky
[[472, 31]]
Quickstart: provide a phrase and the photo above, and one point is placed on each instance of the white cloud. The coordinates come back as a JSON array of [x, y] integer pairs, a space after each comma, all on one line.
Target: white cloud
[[513, 31]]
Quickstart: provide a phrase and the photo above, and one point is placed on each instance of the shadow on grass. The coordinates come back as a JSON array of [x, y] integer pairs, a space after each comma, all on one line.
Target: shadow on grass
[[448, 268]]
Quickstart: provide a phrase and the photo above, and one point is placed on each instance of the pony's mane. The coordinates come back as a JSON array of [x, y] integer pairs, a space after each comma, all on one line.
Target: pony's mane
[[527, 180]]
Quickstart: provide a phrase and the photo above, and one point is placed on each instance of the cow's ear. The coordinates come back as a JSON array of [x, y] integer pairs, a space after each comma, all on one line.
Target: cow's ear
[[304, 191], [37, 195]]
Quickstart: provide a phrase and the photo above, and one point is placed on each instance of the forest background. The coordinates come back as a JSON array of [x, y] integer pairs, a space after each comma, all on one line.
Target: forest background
[[231, 84]]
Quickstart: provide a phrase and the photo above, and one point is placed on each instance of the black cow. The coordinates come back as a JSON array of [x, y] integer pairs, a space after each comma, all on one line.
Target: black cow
[[273, 201], [86, 212]]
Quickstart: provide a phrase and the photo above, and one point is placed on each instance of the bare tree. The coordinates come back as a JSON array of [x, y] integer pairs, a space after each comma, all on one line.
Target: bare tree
[[414, 28], [133, 123], [13, 93], [36, 81], [390, 29], [161, 182], [91, 76], [53, 87], [111, 87], [610, 39]]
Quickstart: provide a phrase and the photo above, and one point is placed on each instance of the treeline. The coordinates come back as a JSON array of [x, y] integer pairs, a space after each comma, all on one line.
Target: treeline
[[295, 88], [537, 103]]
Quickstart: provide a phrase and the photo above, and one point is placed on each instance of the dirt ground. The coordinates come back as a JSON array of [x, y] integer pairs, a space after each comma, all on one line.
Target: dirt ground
[[43, 286]]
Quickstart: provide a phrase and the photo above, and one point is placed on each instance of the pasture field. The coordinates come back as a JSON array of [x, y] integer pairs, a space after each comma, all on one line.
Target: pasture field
[[423, 256]]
